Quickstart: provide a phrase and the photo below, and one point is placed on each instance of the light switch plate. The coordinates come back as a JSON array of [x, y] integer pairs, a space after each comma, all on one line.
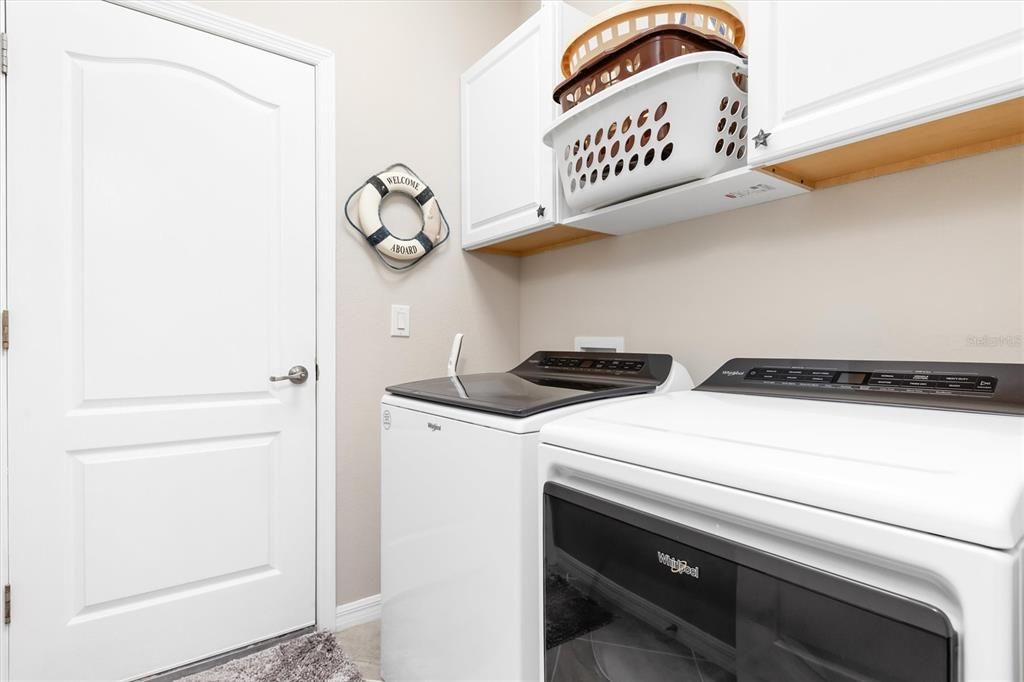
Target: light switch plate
[[400, 320]]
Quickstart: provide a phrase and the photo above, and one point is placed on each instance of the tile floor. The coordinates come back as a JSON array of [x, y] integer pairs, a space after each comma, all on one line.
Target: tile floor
[[362, 644]]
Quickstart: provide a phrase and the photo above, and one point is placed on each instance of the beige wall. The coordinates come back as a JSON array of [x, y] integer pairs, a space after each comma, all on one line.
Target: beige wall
[[398, 68], [925, 264]]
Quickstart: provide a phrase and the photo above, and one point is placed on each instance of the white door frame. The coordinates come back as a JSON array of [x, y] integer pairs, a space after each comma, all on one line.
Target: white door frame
[[322, 61]]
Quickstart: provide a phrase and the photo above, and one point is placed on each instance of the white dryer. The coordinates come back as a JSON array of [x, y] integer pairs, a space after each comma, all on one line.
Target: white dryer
[[871, 531], [460, 508]]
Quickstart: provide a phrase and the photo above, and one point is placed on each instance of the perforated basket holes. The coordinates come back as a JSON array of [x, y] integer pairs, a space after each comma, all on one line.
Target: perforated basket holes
[[633, 63], [641, 137], [611, 75], [732, 128]]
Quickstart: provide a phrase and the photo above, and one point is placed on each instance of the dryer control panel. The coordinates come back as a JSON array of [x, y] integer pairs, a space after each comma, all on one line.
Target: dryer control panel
[[971, 387]]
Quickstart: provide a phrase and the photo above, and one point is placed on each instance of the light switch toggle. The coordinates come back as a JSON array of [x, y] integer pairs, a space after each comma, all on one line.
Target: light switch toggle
[[399, 320]]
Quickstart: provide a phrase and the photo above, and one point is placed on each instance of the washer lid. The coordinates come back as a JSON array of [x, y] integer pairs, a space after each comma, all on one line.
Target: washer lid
[[957, 475], [545, 381]]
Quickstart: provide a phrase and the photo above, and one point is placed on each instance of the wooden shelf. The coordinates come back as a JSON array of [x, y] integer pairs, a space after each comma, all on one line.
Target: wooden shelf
[[545, 239], [972, 132]]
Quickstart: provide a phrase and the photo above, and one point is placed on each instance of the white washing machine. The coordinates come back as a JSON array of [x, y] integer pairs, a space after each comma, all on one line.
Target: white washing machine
[[460, 508], [871, 530]]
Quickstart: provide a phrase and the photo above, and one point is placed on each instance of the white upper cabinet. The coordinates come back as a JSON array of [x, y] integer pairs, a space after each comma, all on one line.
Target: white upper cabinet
[[508, 183], [824, 74]]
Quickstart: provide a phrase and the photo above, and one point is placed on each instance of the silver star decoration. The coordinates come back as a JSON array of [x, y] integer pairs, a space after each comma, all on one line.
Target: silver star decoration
[[761, 139]]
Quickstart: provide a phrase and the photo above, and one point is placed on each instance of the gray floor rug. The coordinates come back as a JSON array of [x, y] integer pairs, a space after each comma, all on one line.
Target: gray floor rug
[[312, 658]]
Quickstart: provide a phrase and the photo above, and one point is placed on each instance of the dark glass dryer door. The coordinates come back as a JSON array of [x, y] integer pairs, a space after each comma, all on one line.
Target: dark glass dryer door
[[631, 597]]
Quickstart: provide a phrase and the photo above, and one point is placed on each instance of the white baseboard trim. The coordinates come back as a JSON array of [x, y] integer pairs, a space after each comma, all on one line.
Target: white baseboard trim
[[357, 612]]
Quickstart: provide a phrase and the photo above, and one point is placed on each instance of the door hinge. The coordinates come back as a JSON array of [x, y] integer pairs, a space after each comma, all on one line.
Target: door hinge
[[7, 604], [3, 53], [5, 328]]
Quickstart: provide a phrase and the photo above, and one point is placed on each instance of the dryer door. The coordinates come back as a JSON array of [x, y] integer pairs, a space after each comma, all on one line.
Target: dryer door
[[630, 596]]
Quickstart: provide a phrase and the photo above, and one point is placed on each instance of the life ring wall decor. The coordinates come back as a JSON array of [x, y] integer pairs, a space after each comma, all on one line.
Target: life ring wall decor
[[398, 179]]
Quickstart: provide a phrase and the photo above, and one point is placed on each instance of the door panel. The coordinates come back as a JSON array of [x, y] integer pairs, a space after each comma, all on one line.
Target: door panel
[[171, 227], [162, 246]]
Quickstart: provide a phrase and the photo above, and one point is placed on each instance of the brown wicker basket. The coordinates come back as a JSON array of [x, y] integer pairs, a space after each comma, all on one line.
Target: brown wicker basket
[[641, 52]]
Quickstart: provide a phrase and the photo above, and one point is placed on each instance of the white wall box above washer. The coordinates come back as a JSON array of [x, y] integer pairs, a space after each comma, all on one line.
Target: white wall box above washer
[[826, 75], [508, 183]]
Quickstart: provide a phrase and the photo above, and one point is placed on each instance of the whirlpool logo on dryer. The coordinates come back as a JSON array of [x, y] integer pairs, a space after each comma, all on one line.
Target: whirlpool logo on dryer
[[679, 565]]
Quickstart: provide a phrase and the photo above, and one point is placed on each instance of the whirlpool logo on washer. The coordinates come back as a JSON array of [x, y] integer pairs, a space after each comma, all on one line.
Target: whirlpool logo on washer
[[678, 565], [732, 373], [433, 427]]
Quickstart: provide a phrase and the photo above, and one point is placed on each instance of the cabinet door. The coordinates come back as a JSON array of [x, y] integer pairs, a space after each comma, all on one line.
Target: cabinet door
[[823, 74], [507, 172]]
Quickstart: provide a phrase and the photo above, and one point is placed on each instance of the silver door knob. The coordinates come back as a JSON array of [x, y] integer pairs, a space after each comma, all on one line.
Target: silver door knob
[[297, 375]]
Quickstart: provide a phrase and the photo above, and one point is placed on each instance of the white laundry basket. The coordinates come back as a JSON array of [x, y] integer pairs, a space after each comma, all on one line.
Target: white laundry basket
[[680, 121]]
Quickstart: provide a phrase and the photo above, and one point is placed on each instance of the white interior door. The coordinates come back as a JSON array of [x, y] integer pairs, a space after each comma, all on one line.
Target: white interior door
[[161, 251]]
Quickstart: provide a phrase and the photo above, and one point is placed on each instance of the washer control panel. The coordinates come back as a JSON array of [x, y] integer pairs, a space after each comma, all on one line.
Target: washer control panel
[[975, 387], [907, 381], [616, 368], [608, 364]]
